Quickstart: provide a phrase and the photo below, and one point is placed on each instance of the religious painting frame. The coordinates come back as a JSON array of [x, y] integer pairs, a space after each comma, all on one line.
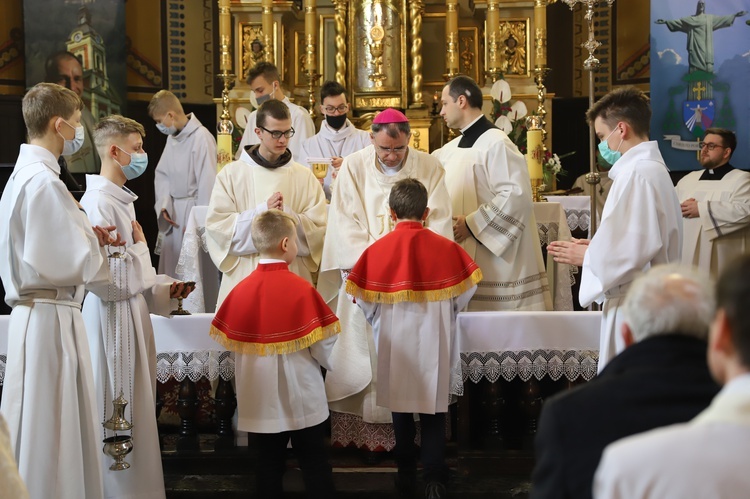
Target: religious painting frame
[[248, 36], [377, 43], [514, 37], [327, 47], [432, 74]]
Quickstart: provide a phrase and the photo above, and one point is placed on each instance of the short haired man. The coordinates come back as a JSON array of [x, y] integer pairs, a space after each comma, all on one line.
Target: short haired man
[[65, 69], [641, 224], [359, 215], [715, 205], [264, 81], [659, 379], [488, 181], [48, 254], [337, 136], [706, 456], [265, 177], [184, 176]]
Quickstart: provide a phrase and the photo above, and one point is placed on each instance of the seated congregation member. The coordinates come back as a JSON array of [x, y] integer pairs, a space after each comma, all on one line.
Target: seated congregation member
[[707, 456], [660, 378], [278, 356], [264, 81], [184, 176], [48, 253], [715, 205], [265, 177], [337, 136], [411, 284], [114, 309]]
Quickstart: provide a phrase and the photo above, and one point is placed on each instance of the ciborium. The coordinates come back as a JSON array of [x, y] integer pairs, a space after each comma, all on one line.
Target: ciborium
[[117, 447], [320, 170]]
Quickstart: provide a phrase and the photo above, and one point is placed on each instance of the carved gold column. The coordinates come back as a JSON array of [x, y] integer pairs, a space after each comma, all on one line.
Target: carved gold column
[[311, 63], [492, 40], [540, 63], [591, 64], [416, 9], [339, 18], [267, 27], [225, 127], [451, 38]]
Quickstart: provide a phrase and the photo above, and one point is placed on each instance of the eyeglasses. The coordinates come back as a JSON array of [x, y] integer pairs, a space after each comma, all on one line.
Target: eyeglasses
[[396, 150], [276, 134], [710, 145], [341, 109]]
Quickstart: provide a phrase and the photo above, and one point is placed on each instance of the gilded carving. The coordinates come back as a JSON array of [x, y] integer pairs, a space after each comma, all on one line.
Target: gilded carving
[[513, 46], [377, 102]]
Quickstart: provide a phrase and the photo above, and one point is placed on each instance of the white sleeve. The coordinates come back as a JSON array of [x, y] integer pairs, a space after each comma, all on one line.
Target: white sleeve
[[242, 241]]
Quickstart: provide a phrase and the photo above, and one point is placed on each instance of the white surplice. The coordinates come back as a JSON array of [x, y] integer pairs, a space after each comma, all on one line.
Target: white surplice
[[419, 363], [358, 217], [722, 230], [183, 179], [241, 192], [48, 252], [329, 143], [641, 227], [142, 291], [706, 457], [489, 184], [301, 122]]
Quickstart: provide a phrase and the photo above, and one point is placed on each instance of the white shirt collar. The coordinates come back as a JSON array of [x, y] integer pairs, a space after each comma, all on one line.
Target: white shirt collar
[[270, 260]]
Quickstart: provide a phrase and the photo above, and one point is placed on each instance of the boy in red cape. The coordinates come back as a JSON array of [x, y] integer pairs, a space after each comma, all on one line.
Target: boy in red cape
[[411, 284], [282, 332]]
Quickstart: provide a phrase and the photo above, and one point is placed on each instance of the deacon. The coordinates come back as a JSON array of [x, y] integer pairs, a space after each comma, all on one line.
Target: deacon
[[359, 215], [48, 253], [184, 176], [493, 216], [264, 81], [265, 177], [641, 224], [337, 136], [135, 291], [715, 206]]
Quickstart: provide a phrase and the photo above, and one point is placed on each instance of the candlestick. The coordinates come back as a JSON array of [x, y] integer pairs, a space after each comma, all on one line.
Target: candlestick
[[267, 28], [451, 34], [540, 29]]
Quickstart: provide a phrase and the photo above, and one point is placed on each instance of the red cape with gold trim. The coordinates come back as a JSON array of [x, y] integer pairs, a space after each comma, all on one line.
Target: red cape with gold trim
[[273, 311], [412, 264]]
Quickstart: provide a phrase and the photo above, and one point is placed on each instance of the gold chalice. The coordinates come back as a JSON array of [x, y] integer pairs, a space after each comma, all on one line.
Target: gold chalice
[[320, 170], [117, 447], [180, 310]]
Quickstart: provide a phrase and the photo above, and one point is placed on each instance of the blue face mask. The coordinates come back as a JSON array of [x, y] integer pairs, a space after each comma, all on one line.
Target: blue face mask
[[167, 130], [137, 165], [608, 154]]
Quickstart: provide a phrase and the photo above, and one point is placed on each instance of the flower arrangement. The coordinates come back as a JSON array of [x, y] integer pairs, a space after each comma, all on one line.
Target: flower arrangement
[[510, 117]]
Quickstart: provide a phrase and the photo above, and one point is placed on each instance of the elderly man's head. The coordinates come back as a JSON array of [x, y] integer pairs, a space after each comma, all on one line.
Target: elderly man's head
[[65, 69], [729, 341], [669, 299]]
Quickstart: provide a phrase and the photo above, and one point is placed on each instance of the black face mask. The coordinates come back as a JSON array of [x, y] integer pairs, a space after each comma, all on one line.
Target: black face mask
[[336, 122]]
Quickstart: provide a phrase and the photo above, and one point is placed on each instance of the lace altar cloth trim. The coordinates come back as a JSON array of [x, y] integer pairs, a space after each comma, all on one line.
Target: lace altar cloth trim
[[578, 219], [211, 364], [526, 364], [348, 430]]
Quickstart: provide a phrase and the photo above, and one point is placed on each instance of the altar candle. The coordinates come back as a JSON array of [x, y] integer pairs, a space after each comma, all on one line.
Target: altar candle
[[223, 150], [540, 23], [310, 29], [535, 153], [225, 34]]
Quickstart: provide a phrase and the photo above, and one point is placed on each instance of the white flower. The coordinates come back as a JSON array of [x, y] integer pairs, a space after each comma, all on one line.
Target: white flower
[[517, 111], [501, 91], [504, 124]]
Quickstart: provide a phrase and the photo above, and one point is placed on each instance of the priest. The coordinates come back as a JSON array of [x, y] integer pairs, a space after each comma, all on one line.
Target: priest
[[493, 215], [359, 215], [641, 224], [264, 81], [337, 136], [715, 206], [265, 177]]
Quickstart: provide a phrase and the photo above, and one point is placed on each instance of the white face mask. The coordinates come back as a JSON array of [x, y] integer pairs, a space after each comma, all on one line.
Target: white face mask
[[72, 146]]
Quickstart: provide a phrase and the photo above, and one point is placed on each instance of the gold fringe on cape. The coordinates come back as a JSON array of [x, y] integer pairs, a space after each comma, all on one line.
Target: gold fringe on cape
[[409, 295], [280, 348]]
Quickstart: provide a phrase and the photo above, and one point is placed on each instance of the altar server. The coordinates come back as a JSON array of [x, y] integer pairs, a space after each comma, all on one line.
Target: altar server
[[265, 177], [120, 309], [48, 252], [641, 223], [337, 136], [411, 284], [715, 206], [359, 216], [493, 213], [264, 80], [185, 174], [278, 356]]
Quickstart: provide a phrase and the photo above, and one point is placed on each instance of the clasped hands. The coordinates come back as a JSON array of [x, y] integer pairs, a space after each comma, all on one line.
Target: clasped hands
[[569, 252]]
